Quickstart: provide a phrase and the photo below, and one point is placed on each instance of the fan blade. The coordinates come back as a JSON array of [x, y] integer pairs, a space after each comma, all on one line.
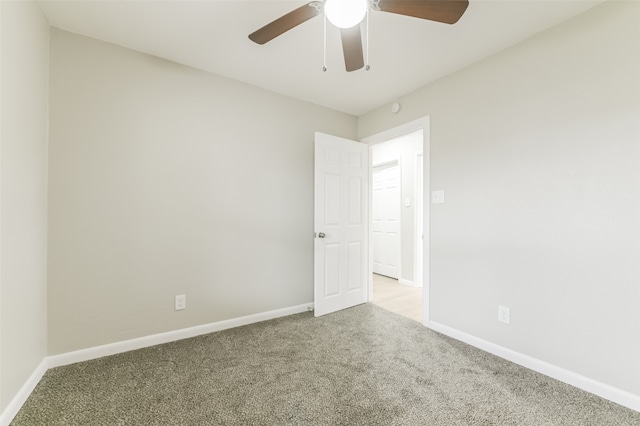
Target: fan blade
[[445, 11], [285, 23], [352, 48]]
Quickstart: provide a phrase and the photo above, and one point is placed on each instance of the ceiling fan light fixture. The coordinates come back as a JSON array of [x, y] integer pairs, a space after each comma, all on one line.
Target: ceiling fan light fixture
[[345, 13]]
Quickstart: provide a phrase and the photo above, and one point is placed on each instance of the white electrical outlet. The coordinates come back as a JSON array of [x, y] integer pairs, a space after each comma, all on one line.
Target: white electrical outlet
[[437, 197], [181, 302], [504, 314]]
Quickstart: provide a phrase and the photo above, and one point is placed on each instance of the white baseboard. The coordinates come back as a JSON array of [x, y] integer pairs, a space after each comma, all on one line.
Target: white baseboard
[[19, 399], [408, 283], [595, 387], [170, 336], [16, 403], [603, 390]]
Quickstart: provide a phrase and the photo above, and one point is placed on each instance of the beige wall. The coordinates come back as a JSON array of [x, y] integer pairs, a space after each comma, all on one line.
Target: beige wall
[[166, 180], [23, 171], [538, 150]]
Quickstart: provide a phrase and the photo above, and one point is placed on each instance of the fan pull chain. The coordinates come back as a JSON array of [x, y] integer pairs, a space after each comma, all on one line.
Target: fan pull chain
[[367, 51], [324, 58]]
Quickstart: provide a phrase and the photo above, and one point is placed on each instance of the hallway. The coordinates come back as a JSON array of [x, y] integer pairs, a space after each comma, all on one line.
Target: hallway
[[398, 298]]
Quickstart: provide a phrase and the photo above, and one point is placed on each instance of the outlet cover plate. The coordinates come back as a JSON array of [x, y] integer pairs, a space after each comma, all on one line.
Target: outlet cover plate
[[181, 302], [504, 314]]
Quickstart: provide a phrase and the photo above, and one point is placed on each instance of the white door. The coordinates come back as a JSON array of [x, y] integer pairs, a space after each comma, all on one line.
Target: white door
[[386, 220], [341, 215], [419, 221]]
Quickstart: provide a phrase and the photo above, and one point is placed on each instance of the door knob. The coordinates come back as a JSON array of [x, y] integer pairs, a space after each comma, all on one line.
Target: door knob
[[321, 235]]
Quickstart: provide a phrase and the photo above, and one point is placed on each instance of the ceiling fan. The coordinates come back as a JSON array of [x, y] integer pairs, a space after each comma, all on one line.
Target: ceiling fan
[[348, 14]]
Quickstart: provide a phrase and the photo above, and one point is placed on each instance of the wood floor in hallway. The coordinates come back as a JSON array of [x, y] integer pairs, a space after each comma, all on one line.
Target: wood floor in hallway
[[398, 298]]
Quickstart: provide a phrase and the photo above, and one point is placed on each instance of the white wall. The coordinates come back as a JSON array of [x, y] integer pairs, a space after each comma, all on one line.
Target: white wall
[[538, 150], [166, 180], [404, 149], [23, 171]]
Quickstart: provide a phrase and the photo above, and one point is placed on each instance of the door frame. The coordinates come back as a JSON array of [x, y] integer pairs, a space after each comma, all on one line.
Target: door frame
[[419, 219], [424, 125]]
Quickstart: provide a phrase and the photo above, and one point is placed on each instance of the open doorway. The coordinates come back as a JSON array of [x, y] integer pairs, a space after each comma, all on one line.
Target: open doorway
[[392, 296], [398, 251]]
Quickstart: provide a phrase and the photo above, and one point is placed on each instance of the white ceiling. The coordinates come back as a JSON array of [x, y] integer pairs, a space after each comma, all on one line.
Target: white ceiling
[[405, 53]]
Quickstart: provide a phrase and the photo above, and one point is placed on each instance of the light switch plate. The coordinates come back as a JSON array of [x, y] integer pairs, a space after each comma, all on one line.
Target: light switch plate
[[437, 197]]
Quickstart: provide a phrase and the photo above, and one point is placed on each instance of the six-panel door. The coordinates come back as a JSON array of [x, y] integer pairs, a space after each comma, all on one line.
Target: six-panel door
[[341, 211]]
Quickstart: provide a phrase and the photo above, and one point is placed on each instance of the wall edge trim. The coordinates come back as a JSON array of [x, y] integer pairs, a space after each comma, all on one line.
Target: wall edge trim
[[21, 397], [12, 409], [170, 336], [408, 283], [603, 390]]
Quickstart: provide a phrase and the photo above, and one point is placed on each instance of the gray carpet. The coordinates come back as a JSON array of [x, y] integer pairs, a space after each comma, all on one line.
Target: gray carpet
[[360, 366]]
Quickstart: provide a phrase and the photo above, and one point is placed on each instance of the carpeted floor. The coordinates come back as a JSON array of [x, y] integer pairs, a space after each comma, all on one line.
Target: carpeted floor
[[360, 366]]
